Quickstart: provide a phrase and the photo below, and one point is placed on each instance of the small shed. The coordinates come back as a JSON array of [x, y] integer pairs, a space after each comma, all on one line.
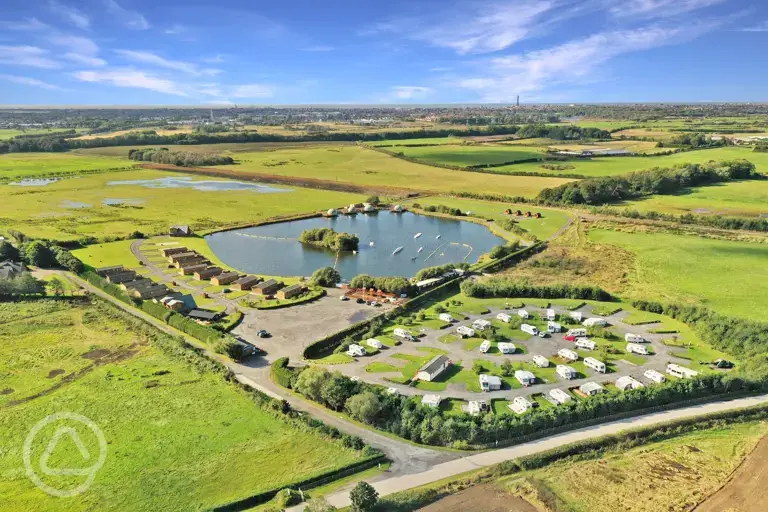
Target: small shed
[[431, 401], [559, 396]]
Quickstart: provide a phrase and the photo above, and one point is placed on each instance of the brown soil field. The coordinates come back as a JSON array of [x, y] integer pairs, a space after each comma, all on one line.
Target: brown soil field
[[746, 490], [480, 498]]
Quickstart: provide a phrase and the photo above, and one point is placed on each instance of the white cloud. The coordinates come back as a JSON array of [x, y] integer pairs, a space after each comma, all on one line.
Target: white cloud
[[318, 48], [85, 60], [28, 25], [131, 19], [31, 56], [760, 27], [81, 50], [175, 65], [131, 78], [175, 29], [70, 14], [410, 92], [252, 91], [33, 82], [659, 8], [216, 59]]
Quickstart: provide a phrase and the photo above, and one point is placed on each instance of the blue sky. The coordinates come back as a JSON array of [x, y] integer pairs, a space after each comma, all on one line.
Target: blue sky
[[196, 52]]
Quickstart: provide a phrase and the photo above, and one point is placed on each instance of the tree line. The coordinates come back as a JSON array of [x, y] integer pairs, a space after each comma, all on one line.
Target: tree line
[[180, 158], [329, 239], [396, 285], [715, 221], [501, 287]]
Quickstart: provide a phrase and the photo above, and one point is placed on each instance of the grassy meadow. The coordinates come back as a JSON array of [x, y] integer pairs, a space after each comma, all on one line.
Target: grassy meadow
[[464, 156], [15, 166], [9, 133], [177, 439], [635, 146], [73, 207]]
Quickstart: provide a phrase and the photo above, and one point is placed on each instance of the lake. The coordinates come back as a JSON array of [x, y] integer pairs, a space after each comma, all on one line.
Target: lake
[[274, 249]]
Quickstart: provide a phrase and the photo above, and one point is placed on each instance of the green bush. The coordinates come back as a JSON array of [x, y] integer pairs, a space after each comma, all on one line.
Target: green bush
[[287, 498], [505, 287]]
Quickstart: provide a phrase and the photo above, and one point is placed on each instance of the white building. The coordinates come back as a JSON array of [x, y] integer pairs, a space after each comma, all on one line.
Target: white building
[[541, 361], [654, 376], [402, 333], [520, 404], [553, 327], [463, 330], [585, 344], [566, 372], [594, 322], [481, 324], [431, 400], [634, 338], [560, 396], [356, 350], [373, 342], [577, 315], [504, 317], [523, 314], [576, 333], [636, 348], [591, 388], [627, 382], [568, 354], [595, 364], [551, 315], [446, 317], [507, 348], [529, 329], [477, 407], [485, 346], [525, 377], [433, 368], [490, 382], [681, 372]]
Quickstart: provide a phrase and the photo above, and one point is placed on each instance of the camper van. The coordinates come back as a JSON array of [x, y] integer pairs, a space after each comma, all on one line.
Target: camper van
[[540, 361], [402, 333], [529, 329], [636, 348]]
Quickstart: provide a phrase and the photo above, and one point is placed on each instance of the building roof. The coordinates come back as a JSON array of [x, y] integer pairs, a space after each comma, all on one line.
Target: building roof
[[591, 386], [297, 286], [490, 379], [247, 280], [203, 314], [434, 364], [524, 374], [182, 228], [225, 275], [266, 284], [8, 268]]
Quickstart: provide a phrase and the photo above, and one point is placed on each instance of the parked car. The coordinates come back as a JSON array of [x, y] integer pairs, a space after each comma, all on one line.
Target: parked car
[[543, 334], [263, 334], [226, 290], [344, 298]]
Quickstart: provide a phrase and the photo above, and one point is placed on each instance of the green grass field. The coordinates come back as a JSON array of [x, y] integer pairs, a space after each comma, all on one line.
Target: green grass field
[[465, 156], [717, 273], [73, 207], [9, 133], [15, 166], [176, 439], [416, 142]]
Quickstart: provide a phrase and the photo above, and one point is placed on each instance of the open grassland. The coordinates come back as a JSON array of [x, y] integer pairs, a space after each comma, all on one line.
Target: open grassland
[[465, 156], [543, 228], [230, 148], [723, 275], [747, 198], [177, 439], [71, 208], [15, 166], [9, 133], [673, 474], [418, 142], [361, 166], [602, 124], [635, 146]]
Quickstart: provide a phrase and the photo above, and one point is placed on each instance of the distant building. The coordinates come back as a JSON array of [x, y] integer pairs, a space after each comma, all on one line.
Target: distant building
[[180, 231], [10, 269], [224, 278], [268, 287], [290, 292], [246, 283]]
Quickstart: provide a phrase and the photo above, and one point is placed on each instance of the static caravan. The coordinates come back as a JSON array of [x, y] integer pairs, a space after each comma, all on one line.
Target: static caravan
[[402, 333], [627, 382], [431, 401], [485, 346], [654, 376], [541, 361], [566, 372], [504, 317], [559, 396], [551, 315], [553, 327], [634, 338], [490, 382], [373, 342], [433, 368], [463, 330], [481, 325], [681, 372], [446, 317], [355, 350], [476, 407], [507, 348], [577, 333], [577, 315], [529, 329], [568, 354], [595, 364], [594, 322], [523, 314], [636, 348], [591, 388], [585, 344], [520, 404], [525, 377]]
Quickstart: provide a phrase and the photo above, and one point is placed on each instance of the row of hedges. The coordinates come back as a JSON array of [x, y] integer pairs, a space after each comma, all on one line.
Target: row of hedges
[[713, 221], [496, 287], [510, 259], [280, 372]]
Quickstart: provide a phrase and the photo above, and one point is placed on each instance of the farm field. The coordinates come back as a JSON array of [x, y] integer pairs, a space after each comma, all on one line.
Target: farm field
[[71, 208], [465, 156], [635, 146], [737, 198], [217, 445], [417, 142], [9, 133], [543, 228], [673, 474], [716, 273], [21, 165], [360, 166], [230, 148]]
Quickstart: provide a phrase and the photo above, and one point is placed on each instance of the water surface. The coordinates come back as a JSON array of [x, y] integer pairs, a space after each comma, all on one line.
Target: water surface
[[201, 185]]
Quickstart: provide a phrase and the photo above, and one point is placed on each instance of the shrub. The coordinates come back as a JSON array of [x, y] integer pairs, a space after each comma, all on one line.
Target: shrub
[[326, 276], [363, 497], [287, 498]]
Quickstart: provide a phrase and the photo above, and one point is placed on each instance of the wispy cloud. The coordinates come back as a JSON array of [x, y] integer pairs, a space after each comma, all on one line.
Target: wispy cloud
[[760, 27], [131, 19], [156, 60], [30, 56], [658, 8], [70, 14], [27, 25], [317, 48], [131, 78], [82, 50], [85, 60], [216, 59], [33, 82], [175, 30], [404, 93]]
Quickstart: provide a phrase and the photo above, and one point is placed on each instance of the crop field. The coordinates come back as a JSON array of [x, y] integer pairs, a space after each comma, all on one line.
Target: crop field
[[177, 439], [673, 474], [90, 205], [717, 273], [360, 166], [465, 156], [15, 166], [737, 198]]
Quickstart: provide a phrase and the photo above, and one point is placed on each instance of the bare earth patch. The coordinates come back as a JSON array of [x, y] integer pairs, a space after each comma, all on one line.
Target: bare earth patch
[[55, 373], [480, 498]]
